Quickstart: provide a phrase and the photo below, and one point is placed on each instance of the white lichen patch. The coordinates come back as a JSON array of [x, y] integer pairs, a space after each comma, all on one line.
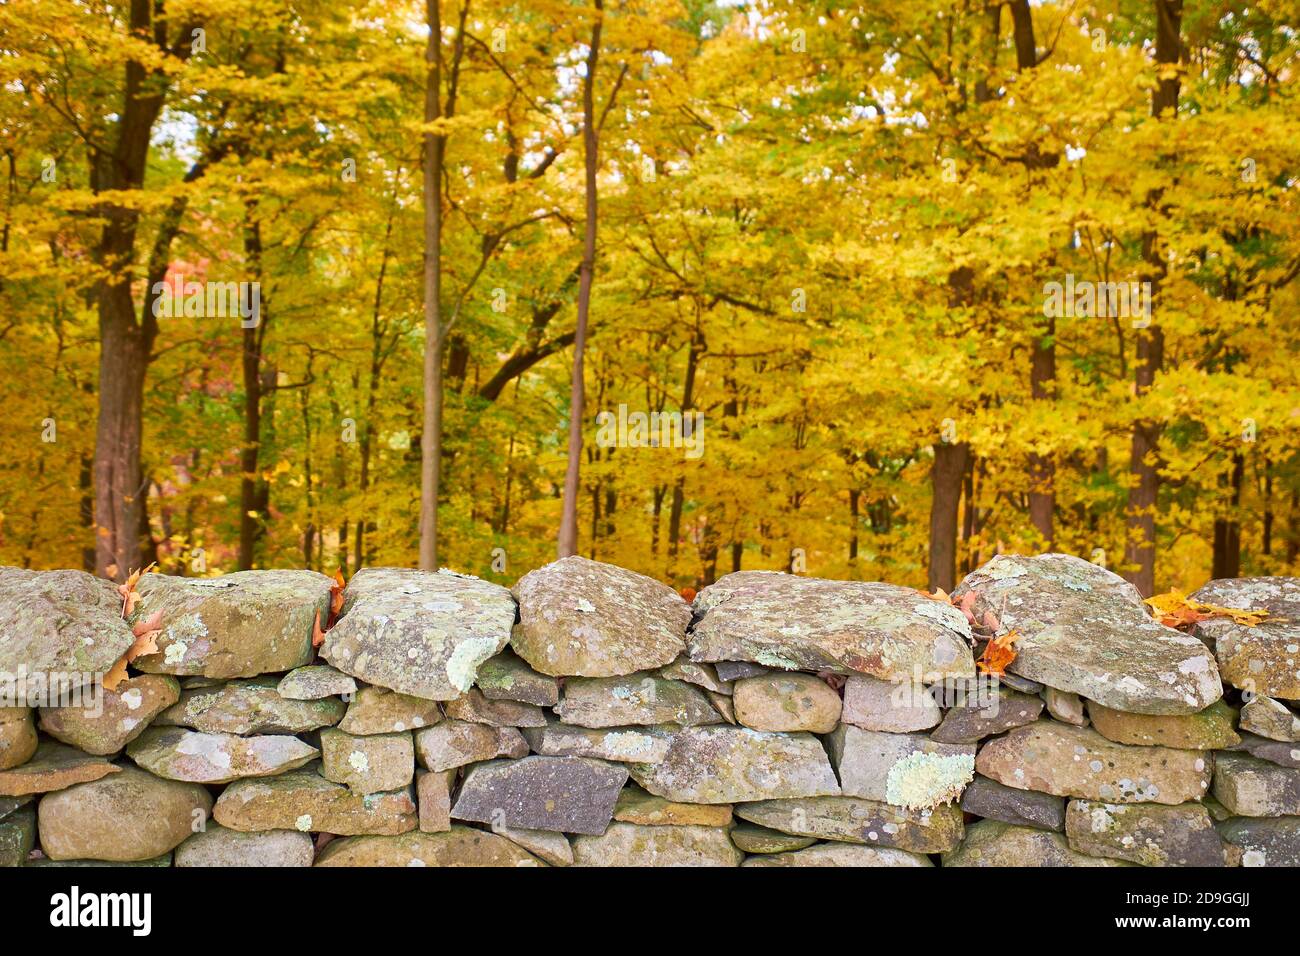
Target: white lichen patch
[[303, 823], [133, 698], [463, 664], [175, 653], [922, 780], [359, 761]]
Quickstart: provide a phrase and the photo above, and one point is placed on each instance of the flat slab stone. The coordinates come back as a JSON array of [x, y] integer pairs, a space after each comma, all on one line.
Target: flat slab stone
[[897, 706], [1065, 706], [1209, 729], [433, 790], [1250, 787], [551, 848], [1264, 659], [626, 844], [476, 708], [583, 618], [508, 677], [422, 633], [455, 743], [853, 820], [123, 714], [619, 744], [701, 675], [832, 854], [1084, 630], [994, 843], [367, 764], [17, 837], [130, 815], [1025, 808], [18, 738], [568, 794], [756, 839], [236, 625], [57, 622], [1145, 833], [786, 703], [1274, 751], [53, 767], [977, 719], [645, 809], [640, 698], [810, 624], [315, 682], [1270, 718], [305, 801], [249, 707], [727, 764], [218, 846], [1079, 762], [907, 770], [731, 671], [9, 804], [176, 753], [459, 846], [1264, 841], [378, 710]]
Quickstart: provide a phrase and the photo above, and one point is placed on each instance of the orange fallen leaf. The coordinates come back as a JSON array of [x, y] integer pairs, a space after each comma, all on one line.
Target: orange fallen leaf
[[336, 592], [939, 595], [1175, 609], [146, 642], [130, 596], [317, 635], [998, 654], [688, 594]]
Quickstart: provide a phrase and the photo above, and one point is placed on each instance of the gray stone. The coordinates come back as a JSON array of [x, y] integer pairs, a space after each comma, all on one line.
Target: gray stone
[[786, 703], [546, 845], [422, 633], [587, 619], [1264, 841], [907, 770], [638, 698], [1274, 751], [1002, 711], [17, 837], [840, 854], [458, 847], [476, 708], [809, 624], [852, 820], [701, 675], [732, 764], [1145, 833], [249, 707], [569, 794], [994, 843], [1026, 808], [315, 682], [236, 625], [1070, 761], [175, 753], [731, 671], [122, 714], [53, 767], [619, 744], [1065, 707], [9, 804], [131, 815], [722, 704], [1251, 787], [1272, 719], [305, 801], [508, 677], [164, 860], [626, 844], [367, 764], [756, 839], [897, 707], [455, 743], [218, 846], [378, 710], [1084, 630], [1264, 659], [57, 622]]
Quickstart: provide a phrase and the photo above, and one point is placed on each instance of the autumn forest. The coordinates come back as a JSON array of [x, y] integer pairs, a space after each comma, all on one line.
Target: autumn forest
[[869, 291]]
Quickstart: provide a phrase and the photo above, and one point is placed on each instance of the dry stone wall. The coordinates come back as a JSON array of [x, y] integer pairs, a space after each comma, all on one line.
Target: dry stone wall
[[591, 717]]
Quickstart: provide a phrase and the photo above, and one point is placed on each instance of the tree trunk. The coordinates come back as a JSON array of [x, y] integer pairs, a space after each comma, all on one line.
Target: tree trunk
[[568, 540], [1042, 470], [1140, 541], [946, 476], [431, 438], [1227, 528], [252, 522]]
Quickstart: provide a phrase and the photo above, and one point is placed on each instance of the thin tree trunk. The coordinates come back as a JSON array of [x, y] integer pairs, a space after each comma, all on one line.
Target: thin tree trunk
[[1227, 528], [1042, 470], [946, 476], [568, 539], [251, 519], [431, 439]]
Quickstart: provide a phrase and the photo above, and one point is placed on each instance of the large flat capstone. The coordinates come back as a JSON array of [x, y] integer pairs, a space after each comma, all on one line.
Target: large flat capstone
[[1083, 629], [422, 633], [810, 624], [1264, 658]]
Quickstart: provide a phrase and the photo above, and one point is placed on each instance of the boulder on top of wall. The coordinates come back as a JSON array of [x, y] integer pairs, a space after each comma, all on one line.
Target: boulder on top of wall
[[1263, 659], [1084, 629], [810, 624], [236, 625], [57, 622], [422, 633], [583, 618]]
